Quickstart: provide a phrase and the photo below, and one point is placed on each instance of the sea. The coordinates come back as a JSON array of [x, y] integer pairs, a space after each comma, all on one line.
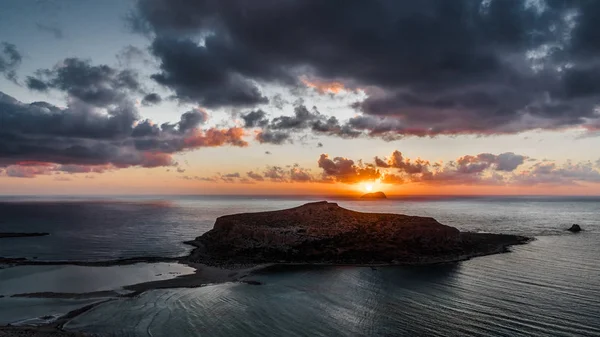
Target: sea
[[549, 287]]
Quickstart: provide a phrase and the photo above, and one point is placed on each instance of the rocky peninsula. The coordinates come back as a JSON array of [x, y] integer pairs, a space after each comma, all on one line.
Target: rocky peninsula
[[325, 233]]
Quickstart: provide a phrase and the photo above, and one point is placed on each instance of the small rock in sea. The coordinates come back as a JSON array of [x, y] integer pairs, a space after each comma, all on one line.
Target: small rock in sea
[[575, 228]]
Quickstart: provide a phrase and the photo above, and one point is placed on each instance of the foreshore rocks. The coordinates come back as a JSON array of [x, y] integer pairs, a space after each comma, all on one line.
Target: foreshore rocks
[[324, 232], [575, 228]]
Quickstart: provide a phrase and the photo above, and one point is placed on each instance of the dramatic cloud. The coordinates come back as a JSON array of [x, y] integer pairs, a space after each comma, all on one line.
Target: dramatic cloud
[[427, 67], [151, 99], [81, 138], [346, 171], [547, 173], [254, 119], [300, 120], [100, 86], [196, 74], [481, 169], [396, 160], [192, 119], [323, 87], [504, 162], [272, 137], [280, 129], [485, 169], [10, 59]]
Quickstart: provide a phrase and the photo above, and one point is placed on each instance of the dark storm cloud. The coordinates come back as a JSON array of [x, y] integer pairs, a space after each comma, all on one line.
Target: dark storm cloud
[[279, 129], [427, 67], [50, 29], [300, 120], [255, 119], [272, 137], [506, 162], [198, 75], [10, 59], [36, 84], [151, 99], [44, 137], [192, 119], [96, 85]]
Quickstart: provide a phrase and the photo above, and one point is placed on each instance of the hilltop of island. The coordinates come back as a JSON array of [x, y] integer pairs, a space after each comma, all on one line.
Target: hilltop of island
[[374, 195], [325, 233]]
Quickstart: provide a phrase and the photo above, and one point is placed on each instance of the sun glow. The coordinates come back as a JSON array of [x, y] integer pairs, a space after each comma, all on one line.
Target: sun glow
[[369, 187]]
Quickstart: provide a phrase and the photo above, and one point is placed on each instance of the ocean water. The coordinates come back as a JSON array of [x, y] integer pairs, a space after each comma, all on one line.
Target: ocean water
[[550, 287], [84, 279]]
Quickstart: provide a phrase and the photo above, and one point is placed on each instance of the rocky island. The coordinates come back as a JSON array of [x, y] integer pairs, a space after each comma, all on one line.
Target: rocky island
[[374, 195], [325, 233]]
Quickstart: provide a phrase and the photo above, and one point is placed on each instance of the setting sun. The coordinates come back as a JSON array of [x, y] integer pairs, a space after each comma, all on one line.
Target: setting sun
[[368, 187]]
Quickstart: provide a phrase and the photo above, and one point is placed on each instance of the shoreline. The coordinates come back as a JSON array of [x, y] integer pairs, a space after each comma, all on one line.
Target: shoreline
[[203, 275], [235, 266], [21, 261], [8, 235], [213, 268]]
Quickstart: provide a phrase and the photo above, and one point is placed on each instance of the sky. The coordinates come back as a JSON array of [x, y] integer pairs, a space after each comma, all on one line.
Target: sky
[[300, 97]]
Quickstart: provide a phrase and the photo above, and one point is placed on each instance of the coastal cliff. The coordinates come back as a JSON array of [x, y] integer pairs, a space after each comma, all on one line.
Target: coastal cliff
[[324, 232]]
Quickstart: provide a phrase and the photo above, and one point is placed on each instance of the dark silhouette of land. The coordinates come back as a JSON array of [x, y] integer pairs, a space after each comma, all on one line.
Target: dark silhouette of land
[[374, 195], [325, 233], [21, 235]]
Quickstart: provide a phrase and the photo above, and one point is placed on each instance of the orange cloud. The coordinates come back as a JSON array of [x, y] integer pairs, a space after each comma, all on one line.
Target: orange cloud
[[216, 137], [324, 87]]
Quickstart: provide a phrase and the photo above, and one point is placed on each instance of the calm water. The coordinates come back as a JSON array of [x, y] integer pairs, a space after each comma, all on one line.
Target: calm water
[[550, 287]]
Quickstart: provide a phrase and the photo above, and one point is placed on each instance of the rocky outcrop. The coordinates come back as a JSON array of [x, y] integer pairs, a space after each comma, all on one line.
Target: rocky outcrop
[[374, 195], [575, 228], [324, 232]]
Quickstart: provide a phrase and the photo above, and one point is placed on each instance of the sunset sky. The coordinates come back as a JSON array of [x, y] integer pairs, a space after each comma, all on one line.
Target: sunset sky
[[299, 97]]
